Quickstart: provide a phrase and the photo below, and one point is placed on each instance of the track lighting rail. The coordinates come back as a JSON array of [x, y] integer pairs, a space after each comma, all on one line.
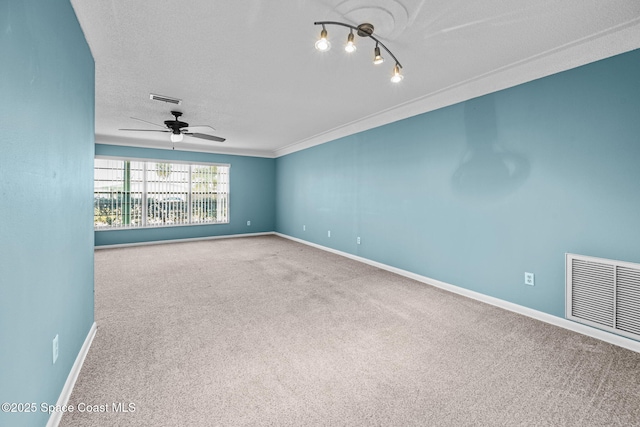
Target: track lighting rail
[[363, 30]]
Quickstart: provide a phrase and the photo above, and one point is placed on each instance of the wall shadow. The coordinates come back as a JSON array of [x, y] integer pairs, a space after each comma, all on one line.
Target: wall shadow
[[488, 171]]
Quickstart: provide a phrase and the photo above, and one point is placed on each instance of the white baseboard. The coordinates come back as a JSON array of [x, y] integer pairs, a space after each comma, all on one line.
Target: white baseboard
[[55, 417], [191, 239], [516, 308]]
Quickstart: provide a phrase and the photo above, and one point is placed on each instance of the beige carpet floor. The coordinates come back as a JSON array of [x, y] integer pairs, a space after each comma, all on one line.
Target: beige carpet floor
[[263, 331]]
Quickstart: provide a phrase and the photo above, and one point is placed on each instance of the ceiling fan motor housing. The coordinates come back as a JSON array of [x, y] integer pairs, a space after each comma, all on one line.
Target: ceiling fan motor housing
[[176, 125]]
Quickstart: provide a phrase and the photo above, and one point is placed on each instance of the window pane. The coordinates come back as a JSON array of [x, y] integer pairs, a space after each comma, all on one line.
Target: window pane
[[117, 194], [204, 190], [167, 193]]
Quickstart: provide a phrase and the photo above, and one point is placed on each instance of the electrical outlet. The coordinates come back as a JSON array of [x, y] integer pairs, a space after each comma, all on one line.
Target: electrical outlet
[[55, 349], [248, 223], [529, 279], [329, 233], [304, 228], [358, 240]]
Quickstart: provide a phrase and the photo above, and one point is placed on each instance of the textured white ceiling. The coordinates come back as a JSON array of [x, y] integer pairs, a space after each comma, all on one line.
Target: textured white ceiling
[[248, 68]]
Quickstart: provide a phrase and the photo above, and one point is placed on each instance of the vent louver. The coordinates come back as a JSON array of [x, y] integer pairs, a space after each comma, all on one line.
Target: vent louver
[[165, 99], [604, 293], [628, 300]]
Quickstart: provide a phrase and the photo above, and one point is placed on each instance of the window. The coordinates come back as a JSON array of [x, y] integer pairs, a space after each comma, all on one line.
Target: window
[[135, 194]]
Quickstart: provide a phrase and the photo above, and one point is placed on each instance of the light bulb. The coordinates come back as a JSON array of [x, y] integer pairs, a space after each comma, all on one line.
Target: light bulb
[[176, 137], [397, 77], [350, 47], [377, 58], [323, 44]]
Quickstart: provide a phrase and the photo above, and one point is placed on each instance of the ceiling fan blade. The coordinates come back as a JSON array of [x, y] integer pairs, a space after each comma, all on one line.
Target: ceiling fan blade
[[151, 123], [204, 136], [147, 130], [198, 129]]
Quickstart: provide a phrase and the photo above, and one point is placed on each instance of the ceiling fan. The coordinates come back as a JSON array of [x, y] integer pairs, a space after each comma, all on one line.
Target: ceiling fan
[[179, 128]]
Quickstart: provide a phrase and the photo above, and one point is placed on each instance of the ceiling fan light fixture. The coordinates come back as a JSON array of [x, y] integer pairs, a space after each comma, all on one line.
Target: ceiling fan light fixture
[[396, 77], [377, 58], [323, 44], [350, 47], [177, 137]]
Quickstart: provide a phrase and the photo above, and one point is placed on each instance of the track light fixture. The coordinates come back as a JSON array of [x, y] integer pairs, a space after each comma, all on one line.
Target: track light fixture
[[350, 47], [363, 30], [396, 77], [323, 44], [377, 58]]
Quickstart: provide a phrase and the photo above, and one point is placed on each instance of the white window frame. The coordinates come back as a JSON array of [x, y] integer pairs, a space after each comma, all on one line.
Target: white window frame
[[144, 224]]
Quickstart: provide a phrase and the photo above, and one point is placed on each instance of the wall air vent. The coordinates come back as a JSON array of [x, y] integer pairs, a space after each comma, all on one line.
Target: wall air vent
[[165, 99], [604, 293]]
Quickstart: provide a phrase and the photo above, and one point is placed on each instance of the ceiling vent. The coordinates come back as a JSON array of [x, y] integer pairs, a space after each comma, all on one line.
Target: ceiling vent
[[165, 99], [604, 293]]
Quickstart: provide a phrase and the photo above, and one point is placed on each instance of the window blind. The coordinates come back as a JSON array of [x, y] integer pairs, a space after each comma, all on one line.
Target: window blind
[[129, 194]]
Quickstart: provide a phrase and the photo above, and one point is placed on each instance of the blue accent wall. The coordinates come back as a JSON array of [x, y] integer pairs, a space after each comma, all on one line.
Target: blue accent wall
[[46, 207], [251, 196], [477, 193]]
